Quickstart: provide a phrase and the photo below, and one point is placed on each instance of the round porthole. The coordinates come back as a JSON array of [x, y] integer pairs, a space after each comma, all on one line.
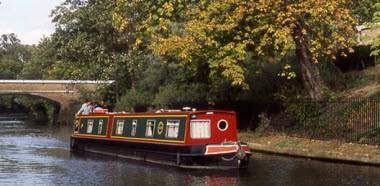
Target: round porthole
[[222, 125]]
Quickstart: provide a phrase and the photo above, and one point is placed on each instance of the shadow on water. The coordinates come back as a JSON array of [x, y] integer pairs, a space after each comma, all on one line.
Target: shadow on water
[[130, 172], [33, 154]]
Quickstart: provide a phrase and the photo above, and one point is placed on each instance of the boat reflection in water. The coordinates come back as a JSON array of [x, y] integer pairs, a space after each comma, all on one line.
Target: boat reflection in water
[[212, 180]]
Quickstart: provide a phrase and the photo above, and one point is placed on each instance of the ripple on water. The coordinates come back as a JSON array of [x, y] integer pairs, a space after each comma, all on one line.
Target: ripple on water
[[30, 155]]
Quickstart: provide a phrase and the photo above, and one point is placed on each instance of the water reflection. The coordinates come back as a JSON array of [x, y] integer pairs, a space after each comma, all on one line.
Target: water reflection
[[39, 155]]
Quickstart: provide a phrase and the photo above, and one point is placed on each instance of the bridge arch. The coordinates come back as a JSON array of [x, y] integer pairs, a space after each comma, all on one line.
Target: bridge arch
[[61, 92], [56, 102]]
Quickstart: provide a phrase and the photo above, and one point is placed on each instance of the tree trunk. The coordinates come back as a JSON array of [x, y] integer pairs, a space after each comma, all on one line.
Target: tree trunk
[[310, 71]]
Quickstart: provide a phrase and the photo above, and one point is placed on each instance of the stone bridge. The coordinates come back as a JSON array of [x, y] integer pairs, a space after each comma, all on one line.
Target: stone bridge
[[62, 92]]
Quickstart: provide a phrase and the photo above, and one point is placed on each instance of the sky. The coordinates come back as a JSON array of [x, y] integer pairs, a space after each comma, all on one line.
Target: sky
[[29, 19]]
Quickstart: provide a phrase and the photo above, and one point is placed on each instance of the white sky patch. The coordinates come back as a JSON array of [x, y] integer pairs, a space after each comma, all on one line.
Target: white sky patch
[[34, 36], [29, 19], [6, 31]]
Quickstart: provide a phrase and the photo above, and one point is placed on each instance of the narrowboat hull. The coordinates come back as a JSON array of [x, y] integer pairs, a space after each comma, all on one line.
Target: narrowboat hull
[[189, 157]]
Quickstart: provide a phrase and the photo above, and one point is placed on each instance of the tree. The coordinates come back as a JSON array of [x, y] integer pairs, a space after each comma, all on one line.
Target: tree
[[375, 44], [7, 40], [317, 29], [363, 10], [43, 62], [90, 47], [153, 20], [13, 56], [84, 38], [140, 21], [227, 34]]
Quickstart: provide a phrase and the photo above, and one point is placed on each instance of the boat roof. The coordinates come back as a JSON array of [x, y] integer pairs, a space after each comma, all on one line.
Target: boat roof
[[165, 112]]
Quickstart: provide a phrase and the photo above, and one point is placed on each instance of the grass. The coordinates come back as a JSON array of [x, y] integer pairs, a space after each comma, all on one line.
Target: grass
[[357, 79], [286, 143]]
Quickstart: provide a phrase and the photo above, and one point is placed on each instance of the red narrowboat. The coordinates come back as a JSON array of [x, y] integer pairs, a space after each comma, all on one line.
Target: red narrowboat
[[187, 139]]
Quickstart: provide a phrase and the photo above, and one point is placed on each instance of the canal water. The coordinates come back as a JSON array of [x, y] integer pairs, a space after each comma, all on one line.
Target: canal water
[[33, 154]]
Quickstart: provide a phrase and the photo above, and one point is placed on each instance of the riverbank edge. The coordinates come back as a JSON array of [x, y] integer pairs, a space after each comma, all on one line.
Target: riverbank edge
[[332, 151]]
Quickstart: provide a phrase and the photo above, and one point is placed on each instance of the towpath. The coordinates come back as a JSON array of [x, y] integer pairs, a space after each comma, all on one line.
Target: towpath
[[314, 149]]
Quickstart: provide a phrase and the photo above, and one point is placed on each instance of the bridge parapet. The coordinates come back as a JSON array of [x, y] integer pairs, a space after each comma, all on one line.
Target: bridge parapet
[[60, 91], [56, 81]]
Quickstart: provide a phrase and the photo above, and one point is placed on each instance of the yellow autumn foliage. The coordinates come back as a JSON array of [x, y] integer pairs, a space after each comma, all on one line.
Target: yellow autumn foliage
[[222, 33]]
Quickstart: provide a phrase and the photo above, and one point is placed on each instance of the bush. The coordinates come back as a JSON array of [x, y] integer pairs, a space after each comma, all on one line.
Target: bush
[[304, 113], [170, 95], [132, 99]]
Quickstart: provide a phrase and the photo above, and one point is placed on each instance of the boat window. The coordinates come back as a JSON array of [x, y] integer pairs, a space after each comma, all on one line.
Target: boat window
[[222, 125], [172, 128], [119, 127], [150, 128], [90, 125], [134, 127], [100, 126], [200, 129]]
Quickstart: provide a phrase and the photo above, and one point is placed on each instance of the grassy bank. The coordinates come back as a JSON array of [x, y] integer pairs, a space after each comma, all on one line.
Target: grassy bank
[[331, 150]]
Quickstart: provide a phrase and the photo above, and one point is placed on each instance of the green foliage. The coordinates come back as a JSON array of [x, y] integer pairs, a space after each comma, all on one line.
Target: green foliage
[[375, 44], [323, 120], [40, 110], [168, 96], [172, 94], [304, 113], [350, 119], [89, 47], [9, 104], [330, 95], [158, 87], [81, 38], [217, 37], [43, 62], [132, 99], [166, 52], [364, 10], [13, 55]]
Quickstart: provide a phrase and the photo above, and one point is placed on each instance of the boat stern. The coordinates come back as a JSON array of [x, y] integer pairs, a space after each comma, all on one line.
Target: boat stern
[[231, 154]]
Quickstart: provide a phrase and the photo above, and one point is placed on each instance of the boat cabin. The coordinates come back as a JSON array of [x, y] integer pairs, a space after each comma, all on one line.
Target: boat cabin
[[171, 128]]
